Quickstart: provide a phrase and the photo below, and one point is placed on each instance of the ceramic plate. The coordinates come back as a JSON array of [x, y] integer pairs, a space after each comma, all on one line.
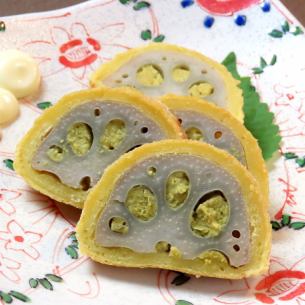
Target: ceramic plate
[[36, 233]]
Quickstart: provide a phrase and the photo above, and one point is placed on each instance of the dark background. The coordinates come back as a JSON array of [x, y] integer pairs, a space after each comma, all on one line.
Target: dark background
[[13, 7]]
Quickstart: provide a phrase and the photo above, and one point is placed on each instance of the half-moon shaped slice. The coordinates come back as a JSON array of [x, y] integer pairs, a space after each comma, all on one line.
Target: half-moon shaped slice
[[181, 205], [66, 151], [159, 69], [203, 121]]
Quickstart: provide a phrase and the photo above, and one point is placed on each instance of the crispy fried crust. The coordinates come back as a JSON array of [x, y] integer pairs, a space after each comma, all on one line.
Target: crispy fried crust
[[47, 183], [216, 267], [235, 95]]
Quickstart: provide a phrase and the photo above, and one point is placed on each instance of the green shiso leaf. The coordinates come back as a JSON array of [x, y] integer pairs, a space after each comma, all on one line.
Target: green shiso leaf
[[258, 119]]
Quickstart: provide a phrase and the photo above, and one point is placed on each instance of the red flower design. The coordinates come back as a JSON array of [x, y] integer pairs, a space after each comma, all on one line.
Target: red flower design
[[8, 267], [6, 196], [225, 7], [286, 95], [75, 48], [289, 110], [18, 239], [280, 285], [283, 285]]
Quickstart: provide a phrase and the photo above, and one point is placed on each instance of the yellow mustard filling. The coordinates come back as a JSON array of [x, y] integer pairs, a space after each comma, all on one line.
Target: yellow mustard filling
[[175, 252], [151, 171], [163, 247], [194, 133], [118, 225], [201, 89], [210, 217], [114, 134], [80, 138], [180, 74], [55, 153], [149, 76], [141, 202], [177, 188], [213, 258]]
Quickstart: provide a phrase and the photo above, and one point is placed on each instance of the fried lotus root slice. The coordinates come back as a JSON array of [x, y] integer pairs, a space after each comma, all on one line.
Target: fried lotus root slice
[[179, 205], [159, 69], [203, 121], [66, 151]]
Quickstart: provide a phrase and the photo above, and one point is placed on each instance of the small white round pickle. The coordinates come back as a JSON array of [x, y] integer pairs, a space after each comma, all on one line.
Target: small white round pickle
[[19, 73], [9, 106]]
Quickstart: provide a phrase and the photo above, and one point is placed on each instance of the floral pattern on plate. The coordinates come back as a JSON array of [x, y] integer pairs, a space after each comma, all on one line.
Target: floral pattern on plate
[[39, 255]]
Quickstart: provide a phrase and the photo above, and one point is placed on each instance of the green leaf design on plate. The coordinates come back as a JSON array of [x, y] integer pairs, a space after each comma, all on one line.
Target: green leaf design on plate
[[71, 249], [286, 27], [263, 63], [71, 252], [275, 225], [46, 283], [146, 35], [9, 163], [257, 70], [290, 155], [5, 297], [44, 105], [33, 282], [273, 60], [20, 296], [276, 34], [286, 219], [54, 278], [180, 279], [183, 302], [297, 31], [72, 236], [259, 120], [298, 225], [124, 1], [159, 38], [141, 5], [74, 245], [300, 161]]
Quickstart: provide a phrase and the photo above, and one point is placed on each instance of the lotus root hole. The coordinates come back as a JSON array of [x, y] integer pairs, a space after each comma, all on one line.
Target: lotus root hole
[[217, 134], [118, 225], [201, 89], [236, 248], [85, 183], [150, 76], [236, 234], [151, 171], [144, 129], [177, 189], [180, 74]]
